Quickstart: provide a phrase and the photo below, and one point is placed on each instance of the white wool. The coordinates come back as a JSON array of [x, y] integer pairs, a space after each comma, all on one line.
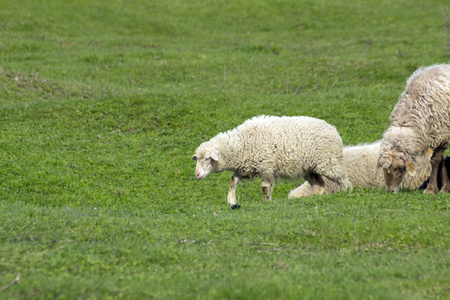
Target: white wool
[[360, 165], [269, 147], [421, 118]]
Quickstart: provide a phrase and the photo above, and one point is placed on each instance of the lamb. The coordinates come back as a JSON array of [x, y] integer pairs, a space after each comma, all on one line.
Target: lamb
[[270, 146], [360, 165], [420, 120]]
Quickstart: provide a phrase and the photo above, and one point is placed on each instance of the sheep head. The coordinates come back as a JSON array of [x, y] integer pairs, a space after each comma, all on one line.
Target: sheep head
[[395, 166], [207, 157], [395, 158]]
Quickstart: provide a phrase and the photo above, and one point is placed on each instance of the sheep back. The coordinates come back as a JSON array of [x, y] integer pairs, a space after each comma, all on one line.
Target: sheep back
[[280, 146], [424, 107]]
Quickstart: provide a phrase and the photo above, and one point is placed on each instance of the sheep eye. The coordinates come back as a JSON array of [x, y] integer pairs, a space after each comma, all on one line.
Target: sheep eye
[[207, 158]]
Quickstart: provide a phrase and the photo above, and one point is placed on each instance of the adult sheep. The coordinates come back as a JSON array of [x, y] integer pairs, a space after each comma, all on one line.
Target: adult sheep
[[420, 120], [270, 147], [361, 167]]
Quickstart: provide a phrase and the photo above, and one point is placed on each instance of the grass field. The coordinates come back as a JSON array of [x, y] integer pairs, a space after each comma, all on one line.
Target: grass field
[[102, 105]]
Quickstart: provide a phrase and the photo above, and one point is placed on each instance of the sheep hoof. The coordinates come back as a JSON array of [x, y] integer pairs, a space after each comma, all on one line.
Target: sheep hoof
[[235, 206], [445, 189], [429, 191]]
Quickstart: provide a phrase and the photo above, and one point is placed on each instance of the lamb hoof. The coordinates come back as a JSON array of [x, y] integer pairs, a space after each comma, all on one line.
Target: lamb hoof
[[235, 206]]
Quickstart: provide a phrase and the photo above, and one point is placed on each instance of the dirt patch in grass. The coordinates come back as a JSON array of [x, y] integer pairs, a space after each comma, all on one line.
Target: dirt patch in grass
[[32, 86]]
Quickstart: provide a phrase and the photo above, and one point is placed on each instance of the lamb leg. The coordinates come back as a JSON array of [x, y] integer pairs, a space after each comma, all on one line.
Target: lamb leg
[[231, 198], [317, 183]]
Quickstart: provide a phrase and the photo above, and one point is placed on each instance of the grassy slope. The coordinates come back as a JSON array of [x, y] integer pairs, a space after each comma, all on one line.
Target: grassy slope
[[103, 105]]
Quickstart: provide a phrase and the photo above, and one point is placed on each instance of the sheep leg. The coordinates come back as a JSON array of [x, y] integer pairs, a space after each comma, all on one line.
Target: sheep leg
[[337, 176], [334, 171], [444, 178], [302, 191], [267, 187], [231, 198], [438, 156], [317, 184]]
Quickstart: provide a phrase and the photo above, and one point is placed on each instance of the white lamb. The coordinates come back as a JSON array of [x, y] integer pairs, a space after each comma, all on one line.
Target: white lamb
[[420, 120], [270, 147], [360, 165]]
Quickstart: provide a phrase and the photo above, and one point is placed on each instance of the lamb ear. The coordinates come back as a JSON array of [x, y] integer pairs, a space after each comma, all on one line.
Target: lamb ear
[[194, 157], [410, 166], [384, 162], [215, 155]]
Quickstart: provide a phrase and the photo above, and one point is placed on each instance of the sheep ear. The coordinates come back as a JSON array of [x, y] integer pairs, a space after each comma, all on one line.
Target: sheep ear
[[410, 166], [384, 162], [215, 155], [194, 158]]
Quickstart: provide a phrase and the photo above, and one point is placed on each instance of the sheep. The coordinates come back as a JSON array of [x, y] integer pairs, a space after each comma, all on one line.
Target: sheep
[[360, 165], [420, 120], [270, 146]]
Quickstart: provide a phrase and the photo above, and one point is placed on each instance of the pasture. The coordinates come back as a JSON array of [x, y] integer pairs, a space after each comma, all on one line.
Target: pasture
[[102, 105]]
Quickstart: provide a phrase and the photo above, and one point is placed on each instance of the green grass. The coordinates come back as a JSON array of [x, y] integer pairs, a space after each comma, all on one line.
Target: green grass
[[103, 104]]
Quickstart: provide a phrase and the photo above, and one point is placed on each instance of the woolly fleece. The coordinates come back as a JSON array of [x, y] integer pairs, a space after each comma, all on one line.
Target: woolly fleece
[[269, 147], [421, 118], [360, 165]]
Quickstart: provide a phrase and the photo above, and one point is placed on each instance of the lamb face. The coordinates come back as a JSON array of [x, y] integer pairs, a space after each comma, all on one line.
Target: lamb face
[[207, 158]]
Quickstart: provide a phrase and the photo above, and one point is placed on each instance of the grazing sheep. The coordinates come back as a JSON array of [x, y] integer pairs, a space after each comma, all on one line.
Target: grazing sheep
[[270, 147], [420, 120], [360, 166]]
